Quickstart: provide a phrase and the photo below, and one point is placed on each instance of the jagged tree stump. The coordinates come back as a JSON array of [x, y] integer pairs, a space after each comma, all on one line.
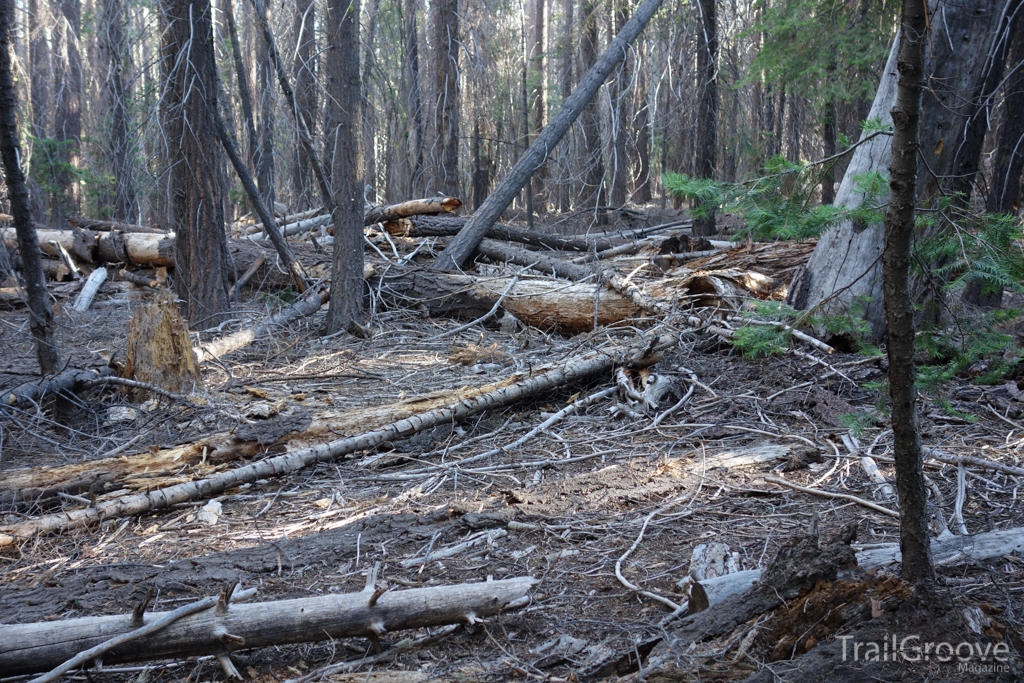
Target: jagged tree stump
[[159, 351]]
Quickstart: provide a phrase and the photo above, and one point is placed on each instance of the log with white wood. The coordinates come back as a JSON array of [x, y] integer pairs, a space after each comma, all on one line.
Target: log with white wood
[[89, 290], [371, 613], [413, 207]]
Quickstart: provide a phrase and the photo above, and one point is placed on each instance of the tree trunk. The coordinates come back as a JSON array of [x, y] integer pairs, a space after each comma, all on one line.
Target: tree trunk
[[566, 54], [707, 107], [642, 122], [461, 248], [538, 97], [68, 123], [619, 88], [899, 304], [444, 33], [40, 317], [411, 74], [590, 119], [846, 265], [263, 159], [196, 169], [244, 92], [121, 152], [304, 67], [1008, 155], [39, 78], [343, 91], [369, 121]]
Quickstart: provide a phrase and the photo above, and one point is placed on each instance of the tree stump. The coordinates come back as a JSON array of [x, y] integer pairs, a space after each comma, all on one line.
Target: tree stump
[[159, 351]]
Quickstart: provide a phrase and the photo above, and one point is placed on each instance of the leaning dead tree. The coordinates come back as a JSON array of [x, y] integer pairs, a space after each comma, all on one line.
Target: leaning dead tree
[[221, 627], [462, 247]]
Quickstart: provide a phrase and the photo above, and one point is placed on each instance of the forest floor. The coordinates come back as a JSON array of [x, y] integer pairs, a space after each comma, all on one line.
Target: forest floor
[[598, 494]]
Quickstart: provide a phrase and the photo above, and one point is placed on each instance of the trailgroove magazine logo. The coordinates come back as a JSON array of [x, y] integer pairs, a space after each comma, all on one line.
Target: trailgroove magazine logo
[[970, 657]]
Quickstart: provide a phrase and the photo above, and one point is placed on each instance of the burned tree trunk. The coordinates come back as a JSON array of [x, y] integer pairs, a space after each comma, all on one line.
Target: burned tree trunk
[[342, 34], [121, 151], [444, 32], [196, 212], [40, 316]]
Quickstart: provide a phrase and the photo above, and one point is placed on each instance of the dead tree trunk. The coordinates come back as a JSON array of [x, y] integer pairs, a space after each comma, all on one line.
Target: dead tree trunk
[[264, 158], [411, 74], [244, 92], [537, 88], [461, 248], [899, 305], [31, 648], [343, 91], [846, 265], [444, 32], [40, 316], [121, 151], [305, 95], [707, 114], [619, 90], [1008, 156], [590, 118], [196, 175], [68, 123]]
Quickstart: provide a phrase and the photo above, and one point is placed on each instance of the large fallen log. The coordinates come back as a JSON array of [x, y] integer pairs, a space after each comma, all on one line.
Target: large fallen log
[[110, 247], [510, 391], [41, 646], [446, 226], [566, 308], [413, 207]]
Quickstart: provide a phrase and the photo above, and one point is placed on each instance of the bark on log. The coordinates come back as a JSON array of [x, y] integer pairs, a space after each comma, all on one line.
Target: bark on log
[[545, 304], [413, 207], [445, 226], [110, 226], [41, 646], [511, 391], [109, 247]]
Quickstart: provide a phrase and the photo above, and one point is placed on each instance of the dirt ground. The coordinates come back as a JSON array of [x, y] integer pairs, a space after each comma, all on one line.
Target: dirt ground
[[570, 505]]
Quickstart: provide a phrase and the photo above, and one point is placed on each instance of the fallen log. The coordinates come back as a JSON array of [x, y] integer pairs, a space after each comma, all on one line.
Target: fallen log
[[110, 247], [309, 305], [41, 646], [446, 226], [413, 207], [566, 308], [31, 392], [110, 226], [510, 391], [89, 290]]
